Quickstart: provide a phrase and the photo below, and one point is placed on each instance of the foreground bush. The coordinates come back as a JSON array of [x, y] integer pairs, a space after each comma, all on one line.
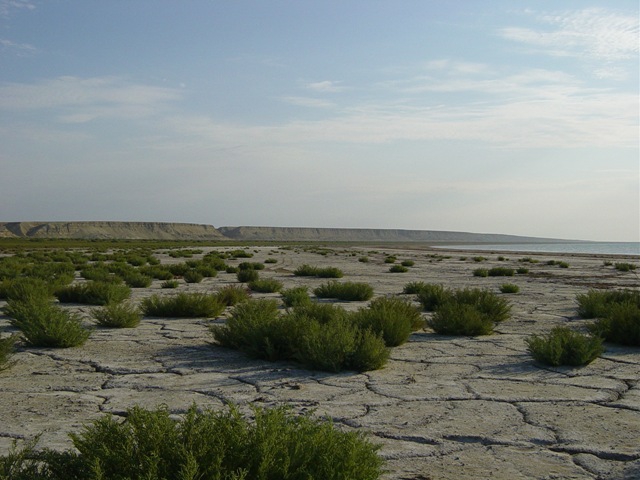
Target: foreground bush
[[392, 318], [431, 296], [117, 315], [207, 444], [7, 348], [598, 303], [620, 325], [296, 296], [232, 295], [44, 324], [349, 291], [460, 319], [24, 288], [93, 293], [189, 305], [563, 346]]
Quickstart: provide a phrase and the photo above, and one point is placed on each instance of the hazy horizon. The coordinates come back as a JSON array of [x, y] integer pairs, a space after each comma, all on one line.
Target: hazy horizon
[[483, 117]]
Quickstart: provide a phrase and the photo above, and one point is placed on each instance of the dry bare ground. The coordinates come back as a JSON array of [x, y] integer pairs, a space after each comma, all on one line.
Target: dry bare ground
[[442, 408]]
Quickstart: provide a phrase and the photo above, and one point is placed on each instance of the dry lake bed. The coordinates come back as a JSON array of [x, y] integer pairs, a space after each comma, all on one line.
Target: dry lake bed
[[442, 408]]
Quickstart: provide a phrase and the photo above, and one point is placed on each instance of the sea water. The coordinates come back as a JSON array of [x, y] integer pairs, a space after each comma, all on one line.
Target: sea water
[[608, 248]]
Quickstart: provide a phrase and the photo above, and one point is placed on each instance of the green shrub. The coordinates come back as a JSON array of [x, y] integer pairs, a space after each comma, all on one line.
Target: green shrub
[[390, 259], [329, 272], [392, 318], [230, 295], [151, 444], [169, 284], [271, 260], [620, 325], [522, 270], [93, 293], [305, 271], [398, 269], [267, 285], [486, 302], [481, 272], [248, 275], [509, 288], [7, 349], [479, 259], [178, 269], [625, 267], [408, 263], [431, 296], [137, 280], [44, 324], [208, 271], [563, 346], [251, 266], [192, 276], [363, 259], [117, 315], [563, 264], [413, 288], [460, 319], [156, 271], [501, 272], [597, 303], [310, 271], [189, 305], [24, 288], [293, 297], [348, 291], [239, 254]]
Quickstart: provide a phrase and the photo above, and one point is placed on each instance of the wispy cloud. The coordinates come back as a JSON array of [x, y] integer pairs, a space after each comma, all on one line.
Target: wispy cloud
[[592, 33], [308, 102], [325, 86], [20, 49], [8, 6]]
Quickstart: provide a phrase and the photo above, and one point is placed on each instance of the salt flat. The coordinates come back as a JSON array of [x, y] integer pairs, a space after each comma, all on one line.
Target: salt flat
[[442, 408]]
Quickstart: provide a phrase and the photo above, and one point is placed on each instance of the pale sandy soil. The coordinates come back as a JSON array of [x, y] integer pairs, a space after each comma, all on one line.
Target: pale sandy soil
[[442, 408]]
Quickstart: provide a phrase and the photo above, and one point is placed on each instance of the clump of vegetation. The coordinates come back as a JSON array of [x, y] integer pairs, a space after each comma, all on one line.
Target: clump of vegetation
[[413, 288], [398, 269], [431, 296], [232, 295], [460, 319], [7, 349], [44, 324], [522, 270], [624, 266], [24, 288], [407, 263], [193, 276], [364, 259], [479, 259], [267, 285], [247, 275], [481, 272], [117, 315], [563, 346], [93, 293], [296, 296], [501, 272], [311, 271], [390, 259], [598, 303], [207, 444], [392, 318], [169, 284], [189, 305], [509, 288], [348, 291], [621, 324], [271, 260], [137, 280]]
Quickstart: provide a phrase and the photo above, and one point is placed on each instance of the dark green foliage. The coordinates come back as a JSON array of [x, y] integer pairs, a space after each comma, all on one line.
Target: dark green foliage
[[348, 291], [7, 348], [232, 295], [509, 288], [329, 272], [216, 445], [117, 315], [528, 260], [563, 346], [44, 324], [137, 280], [178, 269], [157, 271], [407, 263], [193, 276], [413, 288], [563, 264], [481, 272], [597, 303], [247, 275], [393, 318], [271, 260], [363, 259], [390, 259], [460, 319], [169, 284], [486, 302], [625, 267], [398, 269], [501, 272], [267, 285], [621, 324], [431, 296], [310, 271], [24, 288], [522, 270], [296, 296], [93, 293], [189, 305]]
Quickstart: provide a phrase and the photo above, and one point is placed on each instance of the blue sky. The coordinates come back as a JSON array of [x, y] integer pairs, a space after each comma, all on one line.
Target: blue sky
[[504, 116]]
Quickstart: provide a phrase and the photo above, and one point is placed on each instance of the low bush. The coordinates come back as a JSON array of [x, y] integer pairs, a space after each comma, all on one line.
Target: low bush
[[189, 305], [296, 296], [598, 303], [431, 296], [305, 270], [398, 269], [501, 272], [310, 271], [7, 349], [267, 285], [93, 293], [117, 315], [169, 284], [479, 259], [348, 291], [522, 270], [624, 267], [24, 288], [203, 444], [392, 318], [192, 276], [390, 259], [44, 324], [563, 346], [248, 275], [230, 295], [481, 272], [486, 302], [271, 260], [363, 259], [329, 272], [137, 280], [621, 324], [413, 288], [407, 263], [251, 266], [460, 319], [509, 288]]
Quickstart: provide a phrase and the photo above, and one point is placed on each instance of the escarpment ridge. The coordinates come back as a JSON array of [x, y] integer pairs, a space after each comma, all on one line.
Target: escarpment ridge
[[192, 231]]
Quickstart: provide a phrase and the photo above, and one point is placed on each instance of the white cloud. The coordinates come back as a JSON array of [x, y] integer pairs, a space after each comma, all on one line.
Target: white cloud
[[593, 33], [20, 49], [308, 102], [325, 86], [7, 6]]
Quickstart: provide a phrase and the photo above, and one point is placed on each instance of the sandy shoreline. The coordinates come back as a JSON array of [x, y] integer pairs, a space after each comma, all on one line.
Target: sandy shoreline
[[442, 408]]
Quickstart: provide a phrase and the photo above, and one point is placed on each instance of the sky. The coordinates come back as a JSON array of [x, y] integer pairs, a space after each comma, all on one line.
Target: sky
[[515, 117]]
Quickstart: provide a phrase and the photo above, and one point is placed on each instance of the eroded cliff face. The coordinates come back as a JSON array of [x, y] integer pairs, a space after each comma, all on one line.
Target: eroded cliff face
[[111, 230]]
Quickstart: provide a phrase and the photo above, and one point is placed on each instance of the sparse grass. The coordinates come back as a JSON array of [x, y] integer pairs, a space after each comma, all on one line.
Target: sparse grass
[[348, 291], [509, 288], [7, 349], [203, 444], [93, 293], [296, 296], [44, 324], [189, 305], [621, 324], [117, 315], [230, 295], [563, 346], [267, 285]]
